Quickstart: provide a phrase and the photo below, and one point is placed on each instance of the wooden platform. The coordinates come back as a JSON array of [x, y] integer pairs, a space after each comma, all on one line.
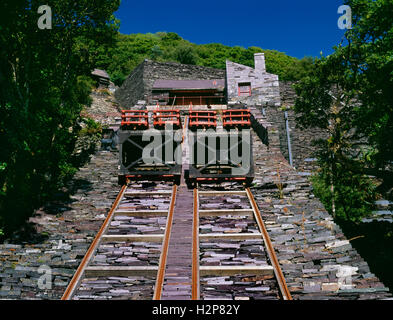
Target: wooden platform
[[178, 273]]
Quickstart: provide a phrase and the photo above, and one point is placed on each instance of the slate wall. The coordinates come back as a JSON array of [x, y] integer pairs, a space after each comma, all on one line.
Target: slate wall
[[264, 86], [267, 92], [139, 84], [303, 150]]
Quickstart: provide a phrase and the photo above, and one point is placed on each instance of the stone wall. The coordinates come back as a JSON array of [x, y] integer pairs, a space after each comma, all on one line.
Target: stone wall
[[267, 92], [132, 89], [303, 149], [264, 86], [317, 260], [301, 140], [139, 84], [287, 93]]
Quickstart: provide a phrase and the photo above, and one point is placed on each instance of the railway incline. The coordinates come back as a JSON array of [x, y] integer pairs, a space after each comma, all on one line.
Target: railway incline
[[140, 233]]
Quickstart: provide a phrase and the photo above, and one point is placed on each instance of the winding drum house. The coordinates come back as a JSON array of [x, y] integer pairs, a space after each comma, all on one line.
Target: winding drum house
[[181, 85]]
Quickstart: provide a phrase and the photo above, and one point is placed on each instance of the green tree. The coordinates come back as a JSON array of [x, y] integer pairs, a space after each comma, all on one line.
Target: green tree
[[186, 54], [130, 50], [369, 60], [43, 86], [349, 95], [156, 52]]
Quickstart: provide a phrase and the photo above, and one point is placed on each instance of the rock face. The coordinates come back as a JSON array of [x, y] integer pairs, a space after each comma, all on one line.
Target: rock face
[[138, 86]]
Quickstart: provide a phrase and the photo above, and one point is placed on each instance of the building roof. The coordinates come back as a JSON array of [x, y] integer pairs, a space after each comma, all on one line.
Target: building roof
[[100, 73], [217, 84]]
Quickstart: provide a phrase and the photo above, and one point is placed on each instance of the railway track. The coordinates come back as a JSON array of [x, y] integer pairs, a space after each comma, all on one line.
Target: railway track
[[126, 258], [233, 257], [165, 242], [169, 242]]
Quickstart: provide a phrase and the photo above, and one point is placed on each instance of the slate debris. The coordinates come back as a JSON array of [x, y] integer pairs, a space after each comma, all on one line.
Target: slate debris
[[228, 224], [127, 254], [119, 288], [232, 253], [317, 260], [229, 252], [239, 287]]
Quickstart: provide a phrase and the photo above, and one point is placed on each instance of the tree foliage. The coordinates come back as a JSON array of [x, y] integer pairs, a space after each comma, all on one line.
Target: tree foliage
[[43, 86], [186, 54], [349, 94], [131, 50]]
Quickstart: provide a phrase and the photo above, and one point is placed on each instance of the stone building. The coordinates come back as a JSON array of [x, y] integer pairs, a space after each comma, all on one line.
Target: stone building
[[163, 82], [101, 78], [179, 84], [184, 92], [252, 86], [151, 74]]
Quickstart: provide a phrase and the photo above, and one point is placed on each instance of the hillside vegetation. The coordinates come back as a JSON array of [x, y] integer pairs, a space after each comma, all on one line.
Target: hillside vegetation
[[44, 84], [130, 50], [359, 118]]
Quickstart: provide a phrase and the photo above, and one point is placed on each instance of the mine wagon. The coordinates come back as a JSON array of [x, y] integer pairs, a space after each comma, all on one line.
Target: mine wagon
[[219, 155], [149, 153]]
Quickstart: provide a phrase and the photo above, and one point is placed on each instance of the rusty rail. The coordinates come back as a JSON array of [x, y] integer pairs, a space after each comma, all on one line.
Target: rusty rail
[[196, 269], [284, 291], [269, 246], [195, 249], [101, 235], [75, 281], [165, 245]]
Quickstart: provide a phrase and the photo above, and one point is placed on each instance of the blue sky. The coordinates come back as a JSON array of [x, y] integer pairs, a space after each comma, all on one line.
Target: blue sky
[[298, 27]]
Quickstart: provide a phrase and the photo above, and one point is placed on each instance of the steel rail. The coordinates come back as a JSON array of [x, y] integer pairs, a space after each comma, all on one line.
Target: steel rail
[[284, 291], [269, 246], [165, 246], [195, 291], [75, 281]]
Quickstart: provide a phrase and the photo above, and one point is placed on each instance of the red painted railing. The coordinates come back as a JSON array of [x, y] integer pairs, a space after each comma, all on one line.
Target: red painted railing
[[236, 118], [202, 119], [163, 118], [134, 119]]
